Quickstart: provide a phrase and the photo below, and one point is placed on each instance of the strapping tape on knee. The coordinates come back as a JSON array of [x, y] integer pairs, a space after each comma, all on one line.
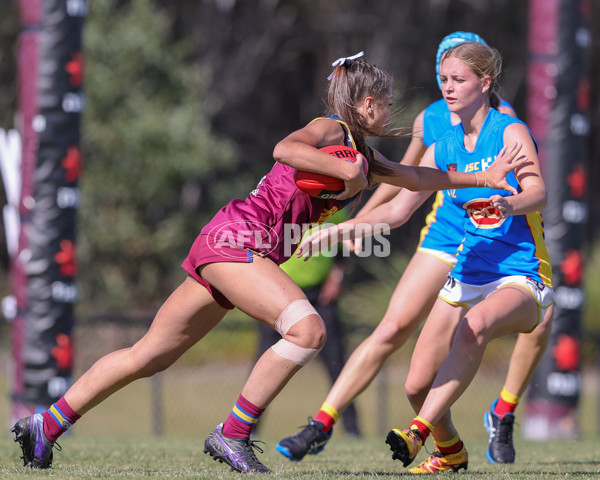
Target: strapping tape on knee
[[290, 351], [292, 314]]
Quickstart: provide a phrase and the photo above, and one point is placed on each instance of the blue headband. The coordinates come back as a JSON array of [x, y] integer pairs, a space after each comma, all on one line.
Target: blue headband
[[450, 41]]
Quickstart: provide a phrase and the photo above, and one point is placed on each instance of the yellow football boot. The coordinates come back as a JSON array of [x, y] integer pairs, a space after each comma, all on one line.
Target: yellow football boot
[[405, 444], [437, 462]]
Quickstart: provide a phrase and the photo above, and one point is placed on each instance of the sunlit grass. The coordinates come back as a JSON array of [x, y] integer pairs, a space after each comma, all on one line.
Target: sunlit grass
[[108, 457]]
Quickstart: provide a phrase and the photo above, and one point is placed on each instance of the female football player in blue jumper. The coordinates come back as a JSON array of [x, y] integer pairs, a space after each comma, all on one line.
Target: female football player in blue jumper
[[412, 300], [501, 283]]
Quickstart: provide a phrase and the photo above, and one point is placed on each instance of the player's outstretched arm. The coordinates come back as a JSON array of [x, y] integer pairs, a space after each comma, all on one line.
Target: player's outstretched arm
[[425, 178], [412, 157], [381, 219]]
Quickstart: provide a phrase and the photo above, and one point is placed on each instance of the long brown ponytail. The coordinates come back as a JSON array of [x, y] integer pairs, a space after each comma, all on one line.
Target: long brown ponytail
[[350, 83]]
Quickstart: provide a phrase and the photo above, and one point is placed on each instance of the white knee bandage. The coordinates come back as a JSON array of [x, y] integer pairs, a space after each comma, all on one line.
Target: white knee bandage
[[293, 352], [292, 314]]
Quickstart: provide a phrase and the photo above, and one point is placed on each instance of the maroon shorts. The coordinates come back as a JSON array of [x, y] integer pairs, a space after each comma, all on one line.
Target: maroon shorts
[[207, 250]]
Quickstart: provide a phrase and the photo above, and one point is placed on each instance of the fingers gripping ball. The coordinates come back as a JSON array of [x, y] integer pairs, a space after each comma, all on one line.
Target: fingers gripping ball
[[323, 186]]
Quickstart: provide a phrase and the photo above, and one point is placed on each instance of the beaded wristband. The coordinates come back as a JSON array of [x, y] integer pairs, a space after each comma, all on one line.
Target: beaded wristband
[[478, 179], [489, 182]]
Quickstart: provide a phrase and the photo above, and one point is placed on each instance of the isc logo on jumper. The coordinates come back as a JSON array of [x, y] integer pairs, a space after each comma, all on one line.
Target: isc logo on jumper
[[482, 214]]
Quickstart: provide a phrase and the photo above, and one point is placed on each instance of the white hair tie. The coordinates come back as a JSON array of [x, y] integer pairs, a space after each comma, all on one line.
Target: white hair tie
[[340, 61]]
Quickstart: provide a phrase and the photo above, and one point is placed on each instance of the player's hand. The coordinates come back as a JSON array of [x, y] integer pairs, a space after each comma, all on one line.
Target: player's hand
[[321, 239], [507, 160], [501, 204], [353, 245], [358, 182]]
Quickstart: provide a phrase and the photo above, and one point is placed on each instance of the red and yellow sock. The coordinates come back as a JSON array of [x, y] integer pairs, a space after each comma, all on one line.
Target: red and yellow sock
[[423, 426], [243, 417], [507, 403], [328, 415], [450, 446], [58, 419]]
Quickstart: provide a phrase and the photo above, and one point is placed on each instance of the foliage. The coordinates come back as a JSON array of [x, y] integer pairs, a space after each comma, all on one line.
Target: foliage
[[149, 151], [8, 65], [186, 99]]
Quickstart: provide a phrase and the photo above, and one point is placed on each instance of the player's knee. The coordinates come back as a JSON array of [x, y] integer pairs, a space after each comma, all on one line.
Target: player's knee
[[301, 324], [303, 332], [150, 366], [390, 333], [309, 333], [473, 330], [144, 361], [415, 391]]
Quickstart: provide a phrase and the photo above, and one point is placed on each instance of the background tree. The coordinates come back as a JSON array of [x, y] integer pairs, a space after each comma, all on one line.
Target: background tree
[[186, 99], [149, 151]]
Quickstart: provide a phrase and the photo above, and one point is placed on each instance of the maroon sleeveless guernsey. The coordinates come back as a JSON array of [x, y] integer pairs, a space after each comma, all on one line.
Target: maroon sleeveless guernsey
[[272, 219]]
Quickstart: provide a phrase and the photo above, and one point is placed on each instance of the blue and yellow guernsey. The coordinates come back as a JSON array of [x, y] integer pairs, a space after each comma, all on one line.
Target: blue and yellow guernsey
[[443, 230], [493, 246]]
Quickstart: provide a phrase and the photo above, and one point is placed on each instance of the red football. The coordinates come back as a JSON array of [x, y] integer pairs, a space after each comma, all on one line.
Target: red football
[[324, 186]]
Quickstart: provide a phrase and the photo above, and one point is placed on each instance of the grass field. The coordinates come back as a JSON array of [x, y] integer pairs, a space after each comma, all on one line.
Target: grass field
[[116, 440], [95, 457]]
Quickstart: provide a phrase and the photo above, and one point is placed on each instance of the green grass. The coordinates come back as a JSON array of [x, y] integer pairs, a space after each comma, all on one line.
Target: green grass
[[115, 439], [107, 457]]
